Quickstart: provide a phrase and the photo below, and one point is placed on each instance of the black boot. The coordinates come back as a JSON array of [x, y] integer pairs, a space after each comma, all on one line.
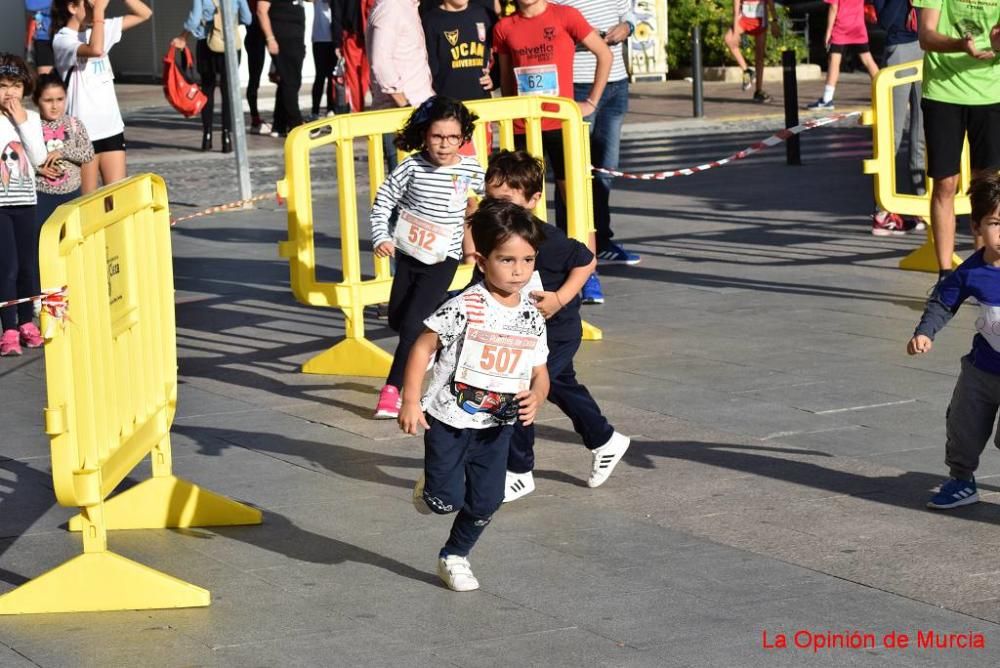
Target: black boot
[[227, 144], [206, 141]]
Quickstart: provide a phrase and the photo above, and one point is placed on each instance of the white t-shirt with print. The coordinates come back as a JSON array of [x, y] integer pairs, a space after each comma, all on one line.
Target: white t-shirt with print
[[466, 407], [91, 95]]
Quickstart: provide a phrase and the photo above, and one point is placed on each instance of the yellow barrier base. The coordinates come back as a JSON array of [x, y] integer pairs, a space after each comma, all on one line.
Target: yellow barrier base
[[351, 357], [102, 581], [925, 258], [591, 333], [171, 503]]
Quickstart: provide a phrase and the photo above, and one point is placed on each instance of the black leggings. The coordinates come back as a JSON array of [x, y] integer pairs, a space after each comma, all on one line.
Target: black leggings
[[324, 60], [417, 289], [212, 68], [255, 48], [18, 263]]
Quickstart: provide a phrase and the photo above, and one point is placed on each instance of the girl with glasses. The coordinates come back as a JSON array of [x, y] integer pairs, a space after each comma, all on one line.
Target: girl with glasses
[[432, 191]]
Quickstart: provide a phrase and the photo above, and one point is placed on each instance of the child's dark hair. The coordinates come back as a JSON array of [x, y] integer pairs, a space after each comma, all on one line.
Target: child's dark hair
[[47, 80], [13, 68], [518, 170], [60, 13], [496, 220], [984, 194], [437, 108]]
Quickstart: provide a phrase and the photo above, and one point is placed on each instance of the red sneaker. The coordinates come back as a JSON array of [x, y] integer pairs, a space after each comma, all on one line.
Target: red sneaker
[[10, 343], [885, 224], [30, 336]]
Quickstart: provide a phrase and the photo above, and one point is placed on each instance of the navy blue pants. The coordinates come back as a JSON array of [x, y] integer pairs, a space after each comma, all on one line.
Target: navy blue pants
[[464, 471], [572, 398], [18, 264]]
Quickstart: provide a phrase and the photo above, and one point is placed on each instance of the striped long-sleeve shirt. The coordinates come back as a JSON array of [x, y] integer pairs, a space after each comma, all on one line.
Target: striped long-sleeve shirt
[[437, 193], [603, 15]]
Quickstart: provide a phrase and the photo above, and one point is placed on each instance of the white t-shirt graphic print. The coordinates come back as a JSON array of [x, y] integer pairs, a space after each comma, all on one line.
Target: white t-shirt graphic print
[[91, 93], [458, 404]]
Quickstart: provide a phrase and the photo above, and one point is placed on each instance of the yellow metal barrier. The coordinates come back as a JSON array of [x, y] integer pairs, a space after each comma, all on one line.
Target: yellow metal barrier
[[111, 376], [883, 164], [355, 355]]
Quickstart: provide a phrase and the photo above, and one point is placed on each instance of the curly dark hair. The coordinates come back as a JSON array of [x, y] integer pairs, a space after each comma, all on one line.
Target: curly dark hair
[[412, 136], [13, 68]]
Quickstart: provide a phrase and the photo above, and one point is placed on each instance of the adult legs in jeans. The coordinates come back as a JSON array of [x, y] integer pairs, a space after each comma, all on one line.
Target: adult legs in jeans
[[605, 148], [417, 289], [18, 264], [572, 398], [464, 471], [907, 98]]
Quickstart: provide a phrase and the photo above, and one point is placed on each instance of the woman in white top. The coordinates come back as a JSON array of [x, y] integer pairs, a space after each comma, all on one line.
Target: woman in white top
[[81, 44]]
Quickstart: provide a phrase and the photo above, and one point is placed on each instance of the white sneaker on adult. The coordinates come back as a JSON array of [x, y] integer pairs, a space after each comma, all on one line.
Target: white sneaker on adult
[[456, 573], [418, 497], [606, 458], [518, 485]]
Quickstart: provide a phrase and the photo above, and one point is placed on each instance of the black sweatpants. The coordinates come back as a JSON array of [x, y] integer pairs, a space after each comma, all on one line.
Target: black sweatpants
[[572, 398], [464, 471], [417, 289], [18, 263], [212, 69], [255, 47], [324, 60], [291, 54]]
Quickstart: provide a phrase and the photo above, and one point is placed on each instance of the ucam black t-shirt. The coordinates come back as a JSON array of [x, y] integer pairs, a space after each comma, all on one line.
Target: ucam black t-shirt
[[458, 49]]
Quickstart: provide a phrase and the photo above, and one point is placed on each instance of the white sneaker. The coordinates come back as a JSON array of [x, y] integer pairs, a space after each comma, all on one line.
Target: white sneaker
[[518, 485], [606, 458], [418, 496], [456, 573], [262, 129]]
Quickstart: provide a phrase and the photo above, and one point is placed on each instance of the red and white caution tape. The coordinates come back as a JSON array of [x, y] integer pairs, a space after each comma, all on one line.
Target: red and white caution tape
[[773, 140], [54, 302], [226, 207]]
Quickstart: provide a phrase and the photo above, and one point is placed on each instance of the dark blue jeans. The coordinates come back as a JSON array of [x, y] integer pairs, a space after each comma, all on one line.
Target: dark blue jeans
[[605, 147], [464, 470], [572, 398]]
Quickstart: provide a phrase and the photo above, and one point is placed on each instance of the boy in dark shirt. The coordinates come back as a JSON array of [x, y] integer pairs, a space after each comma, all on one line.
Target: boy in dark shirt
[[563, 265], [973, 408]]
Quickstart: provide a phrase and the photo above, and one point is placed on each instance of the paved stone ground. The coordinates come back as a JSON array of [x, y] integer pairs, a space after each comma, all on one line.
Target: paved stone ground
[[784, 445]]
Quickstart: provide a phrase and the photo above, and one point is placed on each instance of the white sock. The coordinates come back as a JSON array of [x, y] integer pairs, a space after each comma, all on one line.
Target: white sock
[[828, 93]]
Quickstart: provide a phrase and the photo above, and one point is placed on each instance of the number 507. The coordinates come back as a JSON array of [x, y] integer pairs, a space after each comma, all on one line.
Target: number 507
[[500, 359]]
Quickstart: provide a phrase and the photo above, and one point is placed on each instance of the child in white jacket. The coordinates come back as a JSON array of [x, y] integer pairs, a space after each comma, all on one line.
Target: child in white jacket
[[22, 148]]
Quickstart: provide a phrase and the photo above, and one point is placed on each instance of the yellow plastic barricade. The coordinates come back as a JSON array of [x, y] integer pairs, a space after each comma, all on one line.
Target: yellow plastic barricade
[[883, 164], [355, 355], [111, 376]]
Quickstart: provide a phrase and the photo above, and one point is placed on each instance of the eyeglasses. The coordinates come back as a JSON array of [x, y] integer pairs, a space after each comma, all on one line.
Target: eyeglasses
[[450, 140], [8, 155]]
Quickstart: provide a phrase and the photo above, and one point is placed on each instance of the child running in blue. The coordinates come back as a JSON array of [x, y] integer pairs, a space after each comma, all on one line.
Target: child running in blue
[[432, 191], [489, 371], [563, 266], [973, 409]]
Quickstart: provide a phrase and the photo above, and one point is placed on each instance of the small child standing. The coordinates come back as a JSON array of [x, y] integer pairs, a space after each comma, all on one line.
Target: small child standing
[[432, 192], [563, 266], [973, 408], [846, 33], [489, 372], [21, 149], [69, 147]]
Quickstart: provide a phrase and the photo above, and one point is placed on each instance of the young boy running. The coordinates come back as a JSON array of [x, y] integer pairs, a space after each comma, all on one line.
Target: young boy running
[[750, 17], [563, 265], [973, 408], [489, 372]]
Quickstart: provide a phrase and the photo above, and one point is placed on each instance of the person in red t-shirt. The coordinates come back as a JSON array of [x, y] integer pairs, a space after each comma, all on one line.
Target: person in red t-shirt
[[535, 48]]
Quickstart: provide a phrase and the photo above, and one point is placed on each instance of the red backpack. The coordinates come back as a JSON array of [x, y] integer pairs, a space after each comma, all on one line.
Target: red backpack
[[180, 82]]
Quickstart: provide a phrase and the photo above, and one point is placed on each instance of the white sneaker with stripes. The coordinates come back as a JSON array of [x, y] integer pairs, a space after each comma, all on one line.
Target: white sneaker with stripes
[[518, 485], [606, 458]]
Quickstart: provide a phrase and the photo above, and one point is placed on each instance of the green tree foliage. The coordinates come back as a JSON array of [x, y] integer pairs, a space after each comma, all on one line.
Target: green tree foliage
[[715, 18]]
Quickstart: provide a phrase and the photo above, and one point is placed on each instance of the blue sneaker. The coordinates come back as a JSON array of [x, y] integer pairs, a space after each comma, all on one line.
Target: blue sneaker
[[592, 293], [954, 493], [615, 254], [820, 104]]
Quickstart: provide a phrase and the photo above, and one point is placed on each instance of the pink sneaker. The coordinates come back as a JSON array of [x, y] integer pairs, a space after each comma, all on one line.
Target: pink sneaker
[[30, 336], [10, 343], [389, 403]]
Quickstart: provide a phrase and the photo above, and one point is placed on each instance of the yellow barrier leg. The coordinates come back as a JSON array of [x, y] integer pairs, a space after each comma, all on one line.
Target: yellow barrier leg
[[101, 580], [925, 257], [355, 355], [591, 333]]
